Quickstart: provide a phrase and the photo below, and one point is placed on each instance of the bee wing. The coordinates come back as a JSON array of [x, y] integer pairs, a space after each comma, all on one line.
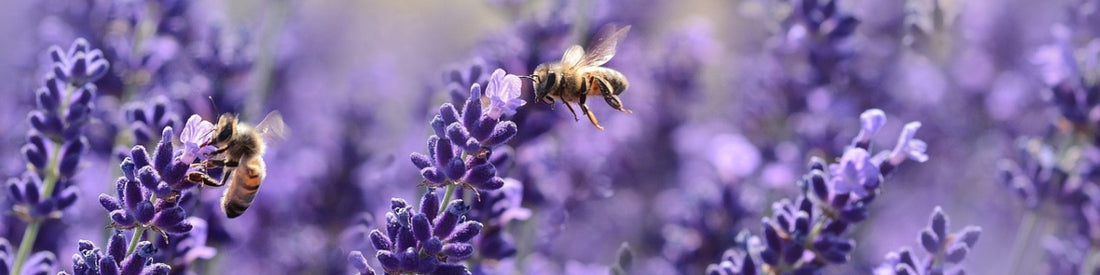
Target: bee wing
[[602, 47], [272, 128], [572, 56]]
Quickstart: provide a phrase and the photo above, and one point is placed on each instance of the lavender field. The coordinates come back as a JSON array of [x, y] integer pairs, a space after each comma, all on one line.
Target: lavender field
[[429, 137]]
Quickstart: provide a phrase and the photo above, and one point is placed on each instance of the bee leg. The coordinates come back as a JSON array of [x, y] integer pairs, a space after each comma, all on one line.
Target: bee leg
[[591, 117], [612, 100], [549, 101], [571, 110], [204, 179]]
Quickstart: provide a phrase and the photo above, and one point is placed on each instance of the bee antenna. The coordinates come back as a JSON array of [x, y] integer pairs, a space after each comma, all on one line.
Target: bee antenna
[[215, 105], [531, 77]]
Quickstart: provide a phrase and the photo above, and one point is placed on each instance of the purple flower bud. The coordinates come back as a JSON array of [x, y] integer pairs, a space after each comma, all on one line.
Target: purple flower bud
[[45, 99], [70, 156], [129, 169], [139, 156], [457, 134], [448, 113], [433, 245], [121, 218], [429, 204], [438, 126], [970, 234], [34, 156], [409, 259], [148, 178], [108, 266], [484, 128], [929, 241], [380, 241], [169, 217], [15, 191], [405, 239], [481, 174], [447, 222], [420, 160], [450, 269], [455, 169], [458, 251], [116, 247], [356, 259], [45, 123], [433, 175], [144, 212], [503, 132], [66, 198], [421, 227], [134, 263], [31, 193], [110, 203], [163, 155], [443, 152], [939, 223], [465, 232], [388, 260], [156, 269], [956, 254]]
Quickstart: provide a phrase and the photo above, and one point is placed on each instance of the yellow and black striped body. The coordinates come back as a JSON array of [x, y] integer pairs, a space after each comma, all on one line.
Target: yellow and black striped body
[[243, 185]]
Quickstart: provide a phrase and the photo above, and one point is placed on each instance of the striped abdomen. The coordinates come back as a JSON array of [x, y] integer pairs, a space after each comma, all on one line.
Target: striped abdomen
[[614, 81], [243, 186]]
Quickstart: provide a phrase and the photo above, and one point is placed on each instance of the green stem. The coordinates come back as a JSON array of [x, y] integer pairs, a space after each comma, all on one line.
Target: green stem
[[447, 197], [138, 233], [1022, 235], [25, 246]]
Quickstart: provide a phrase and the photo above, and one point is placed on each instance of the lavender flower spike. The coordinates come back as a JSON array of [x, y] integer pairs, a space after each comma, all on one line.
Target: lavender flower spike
[[504, 94]]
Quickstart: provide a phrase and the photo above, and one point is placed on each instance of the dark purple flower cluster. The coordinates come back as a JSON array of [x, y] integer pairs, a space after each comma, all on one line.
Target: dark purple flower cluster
[[459, 152], [91, 260], [150, 192], [424, 241], [56, 141], [808, 233], [943, 248]]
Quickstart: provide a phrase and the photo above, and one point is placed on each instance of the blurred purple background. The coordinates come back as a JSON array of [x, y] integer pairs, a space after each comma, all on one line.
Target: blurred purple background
[[730, 100]]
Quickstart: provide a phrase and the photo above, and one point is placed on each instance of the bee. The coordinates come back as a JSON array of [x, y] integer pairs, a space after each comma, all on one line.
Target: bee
[[579, 75], [240, 150]]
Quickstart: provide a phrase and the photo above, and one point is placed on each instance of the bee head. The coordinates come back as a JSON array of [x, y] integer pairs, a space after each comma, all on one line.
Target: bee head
[[226, 128]]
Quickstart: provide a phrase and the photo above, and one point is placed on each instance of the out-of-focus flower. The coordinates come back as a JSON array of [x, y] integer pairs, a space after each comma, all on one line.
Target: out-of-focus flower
[[943, 248], [42, 262]]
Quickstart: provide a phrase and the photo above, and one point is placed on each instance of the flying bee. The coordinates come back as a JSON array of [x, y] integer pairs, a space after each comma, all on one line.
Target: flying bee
[[240, 150], [579, 75]]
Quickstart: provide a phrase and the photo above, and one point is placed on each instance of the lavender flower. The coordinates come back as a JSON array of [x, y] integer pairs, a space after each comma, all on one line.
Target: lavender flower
[[942, 248], [504, 95], [424, 241], [115, 260], [461, 148], [56, 141], [808, 233]]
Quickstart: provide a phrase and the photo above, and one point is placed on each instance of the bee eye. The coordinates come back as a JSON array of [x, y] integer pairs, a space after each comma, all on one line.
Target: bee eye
[[224, 135]]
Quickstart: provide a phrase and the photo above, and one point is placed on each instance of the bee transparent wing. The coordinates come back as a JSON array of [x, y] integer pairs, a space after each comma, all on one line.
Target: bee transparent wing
[[602, 47], [272, 128], [572, 56]]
